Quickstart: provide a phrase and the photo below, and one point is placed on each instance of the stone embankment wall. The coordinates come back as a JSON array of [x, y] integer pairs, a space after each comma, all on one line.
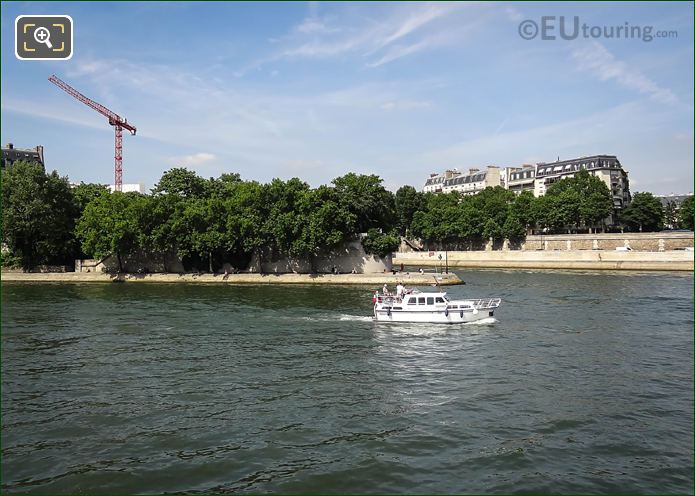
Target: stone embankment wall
[[554, 259], [373, 280], [350, 258], [43, 268]]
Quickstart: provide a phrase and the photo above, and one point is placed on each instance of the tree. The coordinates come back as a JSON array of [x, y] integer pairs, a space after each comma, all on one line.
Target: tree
[[327, 225], [492, 230], [522, 209], [83, 193], [181, 181], [493, 203], [671, 220], [584, 200], [381, 244], [283, 224], [686, 213], [513, 229], [367, 199], [407, 201], [111, 224], [644, 213], [38, 214]]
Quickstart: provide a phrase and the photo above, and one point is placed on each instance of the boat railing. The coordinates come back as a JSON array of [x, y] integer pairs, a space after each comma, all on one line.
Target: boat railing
[[390, 299], [486, 303]]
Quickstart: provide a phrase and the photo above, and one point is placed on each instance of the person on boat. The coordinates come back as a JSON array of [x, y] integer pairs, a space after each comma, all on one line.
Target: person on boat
[[385, 289], [399, 290]]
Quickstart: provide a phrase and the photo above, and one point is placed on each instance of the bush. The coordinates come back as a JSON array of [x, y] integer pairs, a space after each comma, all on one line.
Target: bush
[[378, 243]]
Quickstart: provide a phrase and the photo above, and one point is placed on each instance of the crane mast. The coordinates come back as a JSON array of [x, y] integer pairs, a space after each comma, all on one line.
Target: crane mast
[[115, 120]]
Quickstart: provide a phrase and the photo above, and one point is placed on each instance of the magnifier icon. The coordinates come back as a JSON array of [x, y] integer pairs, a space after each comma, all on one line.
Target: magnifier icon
[[43, 35]]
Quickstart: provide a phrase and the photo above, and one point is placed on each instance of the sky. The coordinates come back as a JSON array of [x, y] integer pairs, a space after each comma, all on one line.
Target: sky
[[316, 90]]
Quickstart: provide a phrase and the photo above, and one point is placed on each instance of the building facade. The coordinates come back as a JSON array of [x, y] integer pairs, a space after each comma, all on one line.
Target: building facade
[[474, 181], [519, 179], [10, 155], [435, 183], [470, 183], [537, 178], [605, 167], [129, 188]]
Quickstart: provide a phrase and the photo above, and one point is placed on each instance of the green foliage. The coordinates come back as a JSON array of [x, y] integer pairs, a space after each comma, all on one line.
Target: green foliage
[[452, 218], [213, 221], [367, 199], [583, 201], [645, 213], [83, 193], [407, 201], [112, 224], [381, 244], [513, 229], [38, 215], [671, 219], [181, 181], [523, 211], [686, 213]]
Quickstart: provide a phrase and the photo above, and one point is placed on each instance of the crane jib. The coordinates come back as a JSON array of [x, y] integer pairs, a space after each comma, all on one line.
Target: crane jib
[[115, 120]]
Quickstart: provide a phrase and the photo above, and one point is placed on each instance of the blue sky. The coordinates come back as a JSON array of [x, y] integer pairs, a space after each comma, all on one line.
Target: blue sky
[[316, 90]]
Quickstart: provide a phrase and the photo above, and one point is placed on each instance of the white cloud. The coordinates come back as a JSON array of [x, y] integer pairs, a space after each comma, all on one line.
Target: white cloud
[[194, 160], [405, 105], [315, 26], [416, 19], [403, 31], [59, 113], [596, 58]]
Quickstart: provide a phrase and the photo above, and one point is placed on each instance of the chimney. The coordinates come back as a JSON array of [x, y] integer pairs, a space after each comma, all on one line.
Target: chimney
[[473, 171], [39, 151]]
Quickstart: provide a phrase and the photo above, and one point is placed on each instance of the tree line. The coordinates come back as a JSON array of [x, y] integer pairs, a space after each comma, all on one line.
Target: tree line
[[209, 222], [205, 222]]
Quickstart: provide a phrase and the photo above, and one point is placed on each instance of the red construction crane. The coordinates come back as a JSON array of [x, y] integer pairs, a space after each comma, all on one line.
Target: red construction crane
[[115, 120]]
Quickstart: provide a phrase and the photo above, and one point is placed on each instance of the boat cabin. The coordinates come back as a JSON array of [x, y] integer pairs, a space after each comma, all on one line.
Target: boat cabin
[[425, 299]]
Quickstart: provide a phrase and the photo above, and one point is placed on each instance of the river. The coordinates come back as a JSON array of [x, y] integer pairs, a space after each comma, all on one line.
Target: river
[[584, 384]]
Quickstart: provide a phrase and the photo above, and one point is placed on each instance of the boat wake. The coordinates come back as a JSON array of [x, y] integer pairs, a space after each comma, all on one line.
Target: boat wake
[[487, 321], [362, 318], [357, 318]]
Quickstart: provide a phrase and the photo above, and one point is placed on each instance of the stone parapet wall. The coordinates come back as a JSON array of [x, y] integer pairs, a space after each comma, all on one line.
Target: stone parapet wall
[[663, 241], [586, 260]]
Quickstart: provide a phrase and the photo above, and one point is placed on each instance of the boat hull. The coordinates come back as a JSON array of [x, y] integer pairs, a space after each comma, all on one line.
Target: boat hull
[[433, 317]]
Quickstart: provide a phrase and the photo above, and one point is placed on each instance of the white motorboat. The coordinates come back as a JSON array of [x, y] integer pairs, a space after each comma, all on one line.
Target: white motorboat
[[416, 306]]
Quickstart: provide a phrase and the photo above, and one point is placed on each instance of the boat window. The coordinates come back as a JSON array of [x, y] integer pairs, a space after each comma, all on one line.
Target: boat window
[[430, 300], [439, 299], [412, 301], [421, 301]]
